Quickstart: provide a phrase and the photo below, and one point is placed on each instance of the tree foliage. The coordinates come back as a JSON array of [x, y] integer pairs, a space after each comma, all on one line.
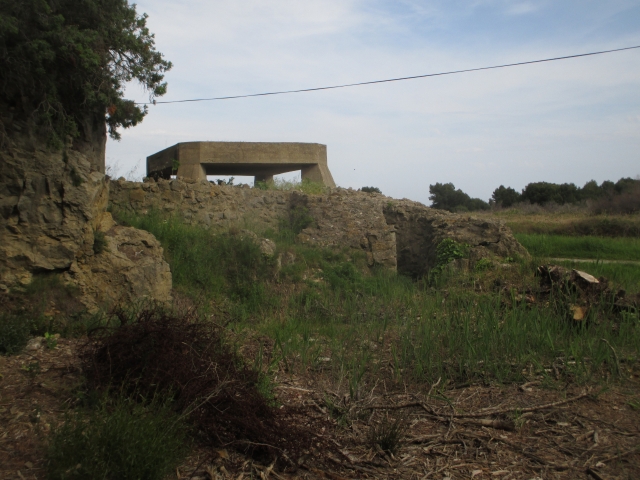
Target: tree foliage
[[66, 62], [622, 196], [505, 197], [567, 193], [445, 196]]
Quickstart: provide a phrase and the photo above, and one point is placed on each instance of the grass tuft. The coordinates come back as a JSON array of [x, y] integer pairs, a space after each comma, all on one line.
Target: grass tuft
[[119, 440], [14, 333], [388, 434]]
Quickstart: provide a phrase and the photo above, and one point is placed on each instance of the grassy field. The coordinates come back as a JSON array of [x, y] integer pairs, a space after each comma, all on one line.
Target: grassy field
[[626, 276], [566, 220], [588, 247], [326, 312], [259, 353]]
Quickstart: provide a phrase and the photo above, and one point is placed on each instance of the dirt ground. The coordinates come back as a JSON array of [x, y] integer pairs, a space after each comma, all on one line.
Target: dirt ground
[[482, 432]]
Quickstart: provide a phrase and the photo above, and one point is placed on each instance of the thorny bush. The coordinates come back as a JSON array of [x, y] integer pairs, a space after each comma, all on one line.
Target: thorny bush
[[155, 352]]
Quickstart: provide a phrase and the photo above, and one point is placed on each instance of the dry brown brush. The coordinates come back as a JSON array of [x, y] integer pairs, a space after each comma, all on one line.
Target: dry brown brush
[[155, 352]]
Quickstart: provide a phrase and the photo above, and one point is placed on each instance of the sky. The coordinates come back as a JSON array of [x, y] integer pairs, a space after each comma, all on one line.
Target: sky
[[567, 121]]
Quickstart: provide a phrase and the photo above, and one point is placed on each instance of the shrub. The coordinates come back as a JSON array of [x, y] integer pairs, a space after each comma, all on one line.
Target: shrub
[[626, 202], [446, 252], [371, 189], [120, 440], [154, 352], [343, 277], [228, 182], [99, 242], [300, 218], [14, 333]]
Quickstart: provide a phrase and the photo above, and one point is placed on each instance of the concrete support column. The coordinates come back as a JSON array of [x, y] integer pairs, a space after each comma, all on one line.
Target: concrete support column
[[318, 173], [263, 178], [194, 171]]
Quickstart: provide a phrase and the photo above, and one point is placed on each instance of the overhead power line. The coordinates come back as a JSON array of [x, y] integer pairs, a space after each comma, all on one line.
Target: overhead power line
[[399, 79]]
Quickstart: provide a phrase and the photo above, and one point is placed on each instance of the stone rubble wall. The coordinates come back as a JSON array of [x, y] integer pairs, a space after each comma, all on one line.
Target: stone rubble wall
[[342, 218], [401, 235], [202, 202], [420, 230], [347, 218]]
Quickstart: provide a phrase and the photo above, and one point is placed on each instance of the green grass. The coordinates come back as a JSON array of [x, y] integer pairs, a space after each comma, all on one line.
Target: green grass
[[328, 312], [461, 338], [44, 307], [305, 186], [556, 246], [620, 226], [209, 265], [118, 440], [14, 333], [625, 275]]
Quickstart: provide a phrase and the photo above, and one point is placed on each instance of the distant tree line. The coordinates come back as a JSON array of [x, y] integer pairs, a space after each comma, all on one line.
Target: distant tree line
[[625, 194], [445, 196]]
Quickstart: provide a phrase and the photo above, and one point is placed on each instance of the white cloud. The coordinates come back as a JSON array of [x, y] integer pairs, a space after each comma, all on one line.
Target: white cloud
[[555, 121], [521, 8]]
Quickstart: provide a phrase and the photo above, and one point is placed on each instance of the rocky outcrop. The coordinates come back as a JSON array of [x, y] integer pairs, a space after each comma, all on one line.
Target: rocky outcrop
[[129, 269], [51, 206]]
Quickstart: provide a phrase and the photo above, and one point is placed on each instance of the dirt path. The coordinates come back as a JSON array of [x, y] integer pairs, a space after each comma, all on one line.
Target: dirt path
[[476, 431]]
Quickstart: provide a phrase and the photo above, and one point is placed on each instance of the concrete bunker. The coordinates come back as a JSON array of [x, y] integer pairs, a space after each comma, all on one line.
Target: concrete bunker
[[263, 160]]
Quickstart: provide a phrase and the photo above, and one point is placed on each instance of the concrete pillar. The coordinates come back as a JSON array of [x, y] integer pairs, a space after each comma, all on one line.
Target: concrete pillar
[[263, 178], [195, 171], [318, 173]]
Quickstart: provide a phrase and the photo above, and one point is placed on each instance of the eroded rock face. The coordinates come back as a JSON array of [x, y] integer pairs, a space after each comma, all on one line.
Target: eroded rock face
[[51, 205]]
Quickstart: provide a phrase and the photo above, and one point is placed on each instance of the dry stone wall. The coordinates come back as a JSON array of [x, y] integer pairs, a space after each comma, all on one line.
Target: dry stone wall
[[201, 202], [401, 235]]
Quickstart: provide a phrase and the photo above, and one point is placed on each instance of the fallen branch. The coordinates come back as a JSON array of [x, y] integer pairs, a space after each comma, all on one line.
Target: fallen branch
[[484, 413], [352, 466], [591, 472], [620, 455], [525, 409], [521, 450]]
